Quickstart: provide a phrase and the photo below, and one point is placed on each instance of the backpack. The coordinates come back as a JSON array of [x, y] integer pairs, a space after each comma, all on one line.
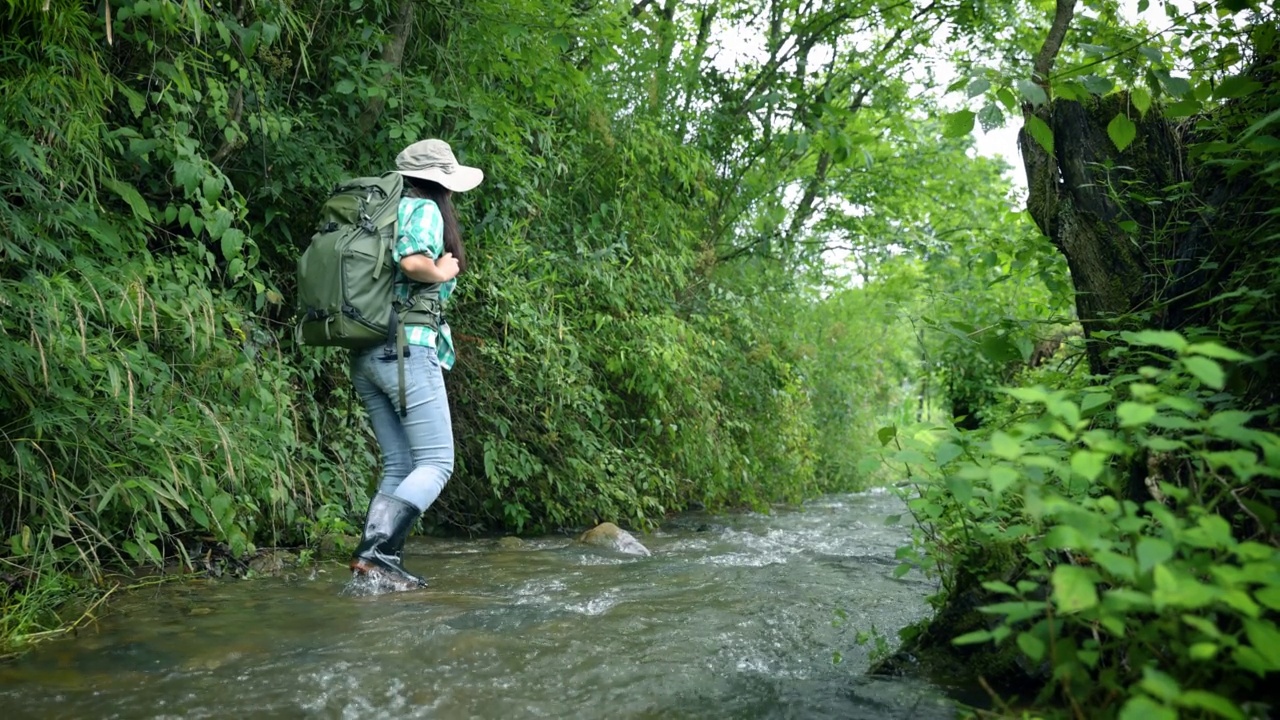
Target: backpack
[[346, 276]]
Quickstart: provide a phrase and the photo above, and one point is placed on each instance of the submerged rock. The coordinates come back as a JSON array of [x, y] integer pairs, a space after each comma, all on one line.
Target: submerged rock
[[611, 537], [272, 562], [510, 542]]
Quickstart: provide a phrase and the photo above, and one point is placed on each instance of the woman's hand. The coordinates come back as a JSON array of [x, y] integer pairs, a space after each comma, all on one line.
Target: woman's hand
[[424, 269], [447, 264]]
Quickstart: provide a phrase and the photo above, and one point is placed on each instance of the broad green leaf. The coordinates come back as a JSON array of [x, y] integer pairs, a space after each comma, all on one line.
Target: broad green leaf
[[1098, 85], [1132, 414], [1175, 86], [1206, 370], [958, 124], [1141, 707], [1159, 684], [1269, 596], [1265, 639], [1202, 651], [1031, 645], [1031, 92], [1005, 446], [1122, 131], [1160, 338], [978, 86], [131, 198], [1040, 132], [1236, 86], [345, 87], [1214, 703], [1073, 589], [1214, 350], [1151, 552], [1006, 98], [887, 433], [232, 242], [1088, 463], [946, 452], [990, 117], [1001, 477], [1180, 591]]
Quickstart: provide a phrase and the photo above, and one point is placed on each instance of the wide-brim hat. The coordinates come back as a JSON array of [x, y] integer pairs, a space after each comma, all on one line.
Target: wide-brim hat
[[434, 160]]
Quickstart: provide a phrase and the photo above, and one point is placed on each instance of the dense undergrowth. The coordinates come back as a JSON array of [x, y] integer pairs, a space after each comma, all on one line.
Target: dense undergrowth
[[694, 282]]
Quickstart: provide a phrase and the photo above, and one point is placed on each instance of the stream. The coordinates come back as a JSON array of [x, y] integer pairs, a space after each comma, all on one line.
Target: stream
[[734, 616]]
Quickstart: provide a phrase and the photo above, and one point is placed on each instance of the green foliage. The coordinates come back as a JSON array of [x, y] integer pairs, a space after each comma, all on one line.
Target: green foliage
[[620, 359], [1143, 510]]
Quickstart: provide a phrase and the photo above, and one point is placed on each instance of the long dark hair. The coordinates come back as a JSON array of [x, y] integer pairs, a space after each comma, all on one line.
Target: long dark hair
[[441, 196]]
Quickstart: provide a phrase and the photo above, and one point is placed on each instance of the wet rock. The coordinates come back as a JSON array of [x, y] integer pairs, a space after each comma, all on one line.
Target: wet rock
[[611, 537], [272, 562], [510, 542]]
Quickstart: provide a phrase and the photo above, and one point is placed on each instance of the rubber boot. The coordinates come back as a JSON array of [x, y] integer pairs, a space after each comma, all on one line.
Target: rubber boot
[[385, 529]]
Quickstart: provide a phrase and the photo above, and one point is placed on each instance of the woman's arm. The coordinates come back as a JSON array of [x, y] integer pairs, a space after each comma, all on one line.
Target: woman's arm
[[422, 268]]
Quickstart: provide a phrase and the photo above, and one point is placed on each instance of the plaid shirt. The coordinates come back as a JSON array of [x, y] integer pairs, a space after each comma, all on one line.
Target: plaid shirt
[[420, 229]]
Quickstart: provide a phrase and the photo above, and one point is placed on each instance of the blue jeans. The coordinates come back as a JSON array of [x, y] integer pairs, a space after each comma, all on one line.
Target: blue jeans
[[417, 449]]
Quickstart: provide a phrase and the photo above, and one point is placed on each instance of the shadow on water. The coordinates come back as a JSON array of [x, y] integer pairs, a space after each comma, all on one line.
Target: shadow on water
[[731, 617]]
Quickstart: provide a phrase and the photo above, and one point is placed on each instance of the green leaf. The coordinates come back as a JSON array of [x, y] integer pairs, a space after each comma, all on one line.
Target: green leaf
[[1202, 651], [1097, 85], [972, 638], [1089, 464], [1185, 591], [990, 117], [1006, 98], [1031, 645], [1214, 350], [1002, 476], [1269, 596], [1005, 446], [1214, 703], [1175, 86], [345, 87], [946, 452], [131, 198], [1206, 370], [1122, 131], [1141, 707], [958, 124], [1159, 684], [978, 86], [1031, 92], [999, 587], [1073, 589], [1160, 338], [1132, 414], [232, 242], [885, 434], [1151, 552], [1236, 86], [1041, 132], [1141, 99], [1265, 639]]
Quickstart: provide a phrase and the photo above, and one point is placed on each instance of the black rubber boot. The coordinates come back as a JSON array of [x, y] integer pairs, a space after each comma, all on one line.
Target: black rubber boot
[[385, 529]]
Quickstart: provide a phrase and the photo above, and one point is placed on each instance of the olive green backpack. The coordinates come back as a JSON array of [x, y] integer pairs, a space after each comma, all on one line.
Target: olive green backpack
[[347, 275]]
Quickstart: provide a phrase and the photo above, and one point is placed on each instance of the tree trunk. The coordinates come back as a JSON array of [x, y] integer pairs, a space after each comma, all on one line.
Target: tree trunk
[[393, 55]]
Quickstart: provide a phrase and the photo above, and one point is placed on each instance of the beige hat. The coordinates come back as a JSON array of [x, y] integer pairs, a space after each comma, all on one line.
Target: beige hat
[[434, 160]]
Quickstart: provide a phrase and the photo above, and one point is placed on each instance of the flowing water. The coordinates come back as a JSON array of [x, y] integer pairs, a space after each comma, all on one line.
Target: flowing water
[[732, 617]]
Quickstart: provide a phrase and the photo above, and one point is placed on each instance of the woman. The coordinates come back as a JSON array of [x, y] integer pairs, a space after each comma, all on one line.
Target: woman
[[417, 448]]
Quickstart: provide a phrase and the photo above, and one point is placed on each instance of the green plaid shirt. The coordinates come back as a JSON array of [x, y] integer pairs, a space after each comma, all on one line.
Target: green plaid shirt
[[420, 229]]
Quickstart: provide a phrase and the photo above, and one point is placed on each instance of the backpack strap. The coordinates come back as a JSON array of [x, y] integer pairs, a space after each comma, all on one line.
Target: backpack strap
[[421, 309]]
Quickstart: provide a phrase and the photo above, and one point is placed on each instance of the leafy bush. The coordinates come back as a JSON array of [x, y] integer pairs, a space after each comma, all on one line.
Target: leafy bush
[[1144, 573]]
